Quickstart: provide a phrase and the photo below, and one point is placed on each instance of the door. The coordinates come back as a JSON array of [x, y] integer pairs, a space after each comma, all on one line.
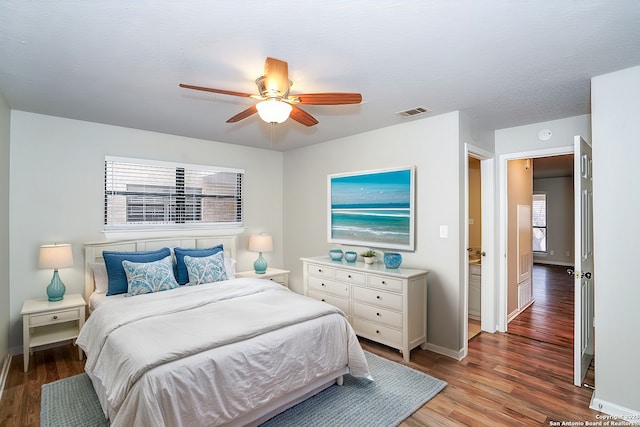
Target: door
[[584, 305], [524, 254]]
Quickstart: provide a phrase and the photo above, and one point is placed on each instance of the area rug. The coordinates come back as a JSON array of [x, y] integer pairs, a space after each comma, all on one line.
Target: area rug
[[396, 393]]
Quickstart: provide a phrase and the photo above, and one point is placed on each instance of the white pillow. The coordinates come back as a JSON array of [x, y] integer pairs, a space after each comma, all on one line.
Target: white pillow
[[230, 267], [100, 277]]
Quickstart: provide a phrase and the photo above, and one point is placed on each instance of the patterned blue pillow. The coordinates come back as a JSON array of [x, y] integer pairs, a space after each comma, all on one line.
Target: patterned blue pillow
[[182, 275], [207, 269], [113, 262], [147, 277]]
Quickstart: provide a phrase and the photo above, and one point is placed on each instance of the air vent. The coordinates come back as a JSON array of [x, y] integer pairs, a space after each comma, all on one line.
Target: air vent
[[413, 112]]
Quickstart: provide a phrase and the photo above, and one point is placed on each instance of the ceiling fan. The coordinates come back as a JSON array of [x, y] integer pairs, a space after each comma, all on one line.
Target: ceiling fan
[[276, 104]]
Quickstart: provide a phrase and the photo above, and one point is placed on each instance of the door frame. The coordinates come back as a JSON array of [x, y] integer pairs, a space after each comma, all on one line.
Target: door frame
[[487, 188], [500, 291]]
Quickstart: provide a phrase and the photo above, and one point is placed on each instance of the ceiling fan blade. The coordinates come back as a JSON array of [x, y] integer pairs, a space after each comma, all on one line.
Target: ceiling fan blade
[[276, 75], [301, 116], [329, 98], [222, 91], [243, 114]]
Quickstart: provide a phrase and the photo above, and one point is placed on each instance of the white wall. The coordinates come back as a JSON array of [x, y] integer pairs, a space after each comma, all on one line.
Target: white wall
[[56, 192], [5, 121], [615, 105], [433, 145], [560, 219]]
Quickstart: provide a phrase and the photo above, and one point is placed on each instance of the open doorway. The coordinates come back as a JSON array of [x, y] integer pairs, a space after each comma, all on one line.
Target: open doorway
[[540, 303], [474, 248]]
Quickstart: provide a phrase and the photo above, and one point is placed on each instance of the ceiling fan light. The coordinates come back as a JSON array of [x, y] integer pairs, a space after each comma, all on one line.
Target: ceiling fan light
[[273, 111]]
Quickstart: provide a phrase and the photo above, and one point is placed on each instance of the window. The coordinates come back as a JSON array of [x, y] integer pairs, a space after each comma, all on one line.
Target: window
[[150, 194], [539, 223]]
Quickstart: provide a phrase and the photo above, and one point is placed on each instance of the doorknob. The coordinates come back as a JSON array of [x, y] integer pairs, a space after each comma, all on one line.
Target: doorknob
[[587, 275], [570, 271], [483, 253]]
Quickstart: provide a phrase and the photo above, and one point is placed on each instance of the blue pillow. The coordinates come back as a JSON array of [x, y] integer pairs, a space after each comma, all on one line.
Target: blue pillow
[[207, 269], [148, 277], [117, 277], [183, 274]]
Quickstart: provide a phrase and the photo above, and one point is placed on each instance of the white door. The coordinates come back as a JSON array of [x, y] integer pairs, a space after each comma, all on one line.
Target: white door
[[583, 306]]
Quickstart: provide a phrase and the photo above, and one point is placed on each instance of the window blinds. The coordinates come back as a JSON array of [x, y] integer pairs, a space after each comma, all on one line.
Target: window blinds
[[153, 194]]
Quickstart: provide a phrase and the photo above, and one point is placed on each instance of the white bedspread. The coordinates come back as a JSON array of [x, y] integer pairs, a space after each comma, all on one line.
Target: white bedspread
[[208, 354]]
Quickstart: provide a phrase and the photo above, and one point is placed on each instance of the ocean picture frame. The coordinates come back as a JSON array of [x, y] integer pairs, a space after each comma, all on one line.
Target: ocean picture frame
[[374, 208]]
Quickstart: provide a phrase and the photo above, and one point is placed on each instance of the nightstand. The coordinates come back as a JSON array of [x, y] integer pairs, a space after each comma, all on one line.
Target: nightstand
[[275, 274], [47, 322]]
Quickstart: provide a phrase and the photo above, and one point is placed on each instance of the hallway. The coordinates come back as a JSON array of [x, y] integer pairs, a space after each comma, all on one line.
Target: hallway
[[550, 318]]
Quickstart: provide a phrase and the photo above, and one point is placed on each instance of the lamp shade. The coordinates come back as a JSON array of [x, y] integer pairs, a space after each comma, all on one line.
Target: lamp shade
[[56, 256], [261, 243], [273, 111]]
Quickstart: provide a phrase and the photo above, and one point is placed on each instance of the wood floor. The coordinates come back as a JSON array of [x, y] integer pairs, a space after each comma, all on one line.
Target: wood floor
[[506, 379], [550, 317]]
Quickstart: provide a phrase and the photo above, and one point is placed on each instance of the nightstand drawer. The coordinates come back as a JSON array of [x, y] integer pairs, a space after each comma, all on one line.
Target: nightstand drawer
[[324, 285], [53, 317], [378, 298]]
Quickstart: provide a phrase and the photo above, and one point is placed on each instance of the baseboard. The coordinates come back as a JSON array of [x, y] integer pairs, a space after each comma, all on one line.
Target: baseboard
[[458, 355], [617, 412], [516, 313], [4, 373]]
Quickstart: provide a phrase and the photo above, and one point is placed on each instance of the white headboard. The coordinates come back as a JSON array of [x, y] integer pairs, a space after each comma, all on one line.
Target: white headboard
[[93, 251]]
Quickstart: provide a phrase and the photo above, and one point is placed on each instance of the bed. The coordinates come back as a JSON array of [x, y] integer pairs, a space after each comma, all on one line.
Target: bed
[[233, 352]]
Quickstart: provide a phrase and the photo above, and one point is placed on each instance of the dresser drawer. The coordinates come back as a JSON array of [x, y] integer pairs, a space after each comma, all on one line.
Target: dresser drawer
[[53, 317], [385, 283], [378, 298], [378, 333], [341, 303], [378, 315], [320, 270], [329, 286], [351, 276]]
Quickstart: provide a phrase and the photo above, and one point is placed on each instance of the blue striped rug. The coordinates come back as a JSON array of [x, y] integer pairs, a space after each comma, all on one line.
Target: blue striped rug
[[396, 393]]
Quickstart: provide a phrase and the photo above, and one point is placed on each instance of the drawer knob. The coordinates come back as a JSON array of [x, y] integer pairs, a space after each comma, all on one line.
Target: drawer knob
[[377, 314], [55, 317], [349, 276], [319, 270], [377, 296], [377, 331], [384, 283], [322, 284], [322, 300]]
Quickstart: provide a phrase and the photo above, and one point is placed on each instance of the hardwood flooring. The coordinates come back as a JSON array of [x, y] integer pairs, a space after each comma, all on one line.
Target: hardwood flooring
[[550, 317], [524, 377]]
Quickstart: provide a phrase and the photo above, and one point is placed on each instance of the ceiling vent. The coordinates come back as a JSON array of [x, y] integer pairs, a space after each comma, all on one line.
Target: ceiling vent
[[413, 112]]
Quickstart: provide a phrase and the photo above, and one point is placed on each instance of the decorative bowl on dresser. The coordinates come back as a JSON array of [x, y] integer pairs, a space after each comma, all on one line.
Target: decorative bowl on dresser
[[386, 306]]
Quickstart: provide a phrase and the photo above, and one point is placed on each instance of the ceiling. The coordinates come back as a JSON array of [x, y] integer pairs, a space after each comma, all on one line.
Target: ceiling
[[504, 63]]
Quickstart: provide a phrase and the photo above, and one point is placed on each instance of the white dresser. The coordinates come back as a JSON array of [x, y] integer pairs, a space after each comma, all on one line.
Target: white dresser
[[388, 306]]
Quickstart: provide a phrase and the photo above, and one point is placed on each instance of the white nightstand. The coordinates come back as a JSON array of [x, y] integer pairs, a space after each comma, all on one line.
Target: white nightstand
[[47, 322], [275, 274]]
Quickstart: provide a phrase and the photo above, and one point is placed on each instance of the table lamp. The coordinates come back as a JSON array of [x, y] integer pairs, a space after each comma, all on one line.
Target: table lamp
[[56, 256], [260, 243]]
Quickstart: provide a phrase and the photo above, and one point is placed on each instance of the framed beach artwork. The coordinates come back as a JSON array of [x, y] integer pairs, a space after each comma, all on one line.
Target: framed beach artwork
[[372, 208]]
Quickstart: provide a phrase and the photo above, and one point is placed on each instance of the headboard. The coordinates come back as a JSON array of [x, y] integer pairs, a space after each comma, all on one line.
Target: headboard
[[93, 251]]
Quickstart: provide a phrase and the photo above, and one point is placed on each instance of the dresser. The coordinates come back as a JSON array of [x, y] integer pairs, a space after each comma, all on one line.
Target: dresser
[[388, 306]]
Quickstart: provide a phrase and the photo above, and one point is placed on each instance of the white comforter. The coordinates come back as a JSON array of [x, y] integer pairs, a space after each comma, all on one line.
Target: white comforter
[[206, 355]]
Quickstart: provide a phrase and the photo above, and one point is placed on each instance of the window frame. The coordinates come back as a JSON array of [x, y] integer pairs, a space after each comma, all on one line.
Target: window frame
[[546, 222], [175, 218]]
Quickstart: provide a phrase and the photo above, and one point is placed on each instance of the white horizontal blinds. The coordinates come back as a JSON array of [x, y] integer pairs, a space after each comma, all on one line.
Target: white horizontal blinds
[[539, 222], [140, 193]]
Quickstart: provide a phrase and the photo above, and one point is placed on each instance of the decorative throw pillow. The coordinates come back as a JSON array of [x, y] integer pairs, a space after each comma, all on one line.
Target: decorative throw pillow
[[117, 277], [205, 269], [230, 267], [183, 276], [100, 278], [148, 277]]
